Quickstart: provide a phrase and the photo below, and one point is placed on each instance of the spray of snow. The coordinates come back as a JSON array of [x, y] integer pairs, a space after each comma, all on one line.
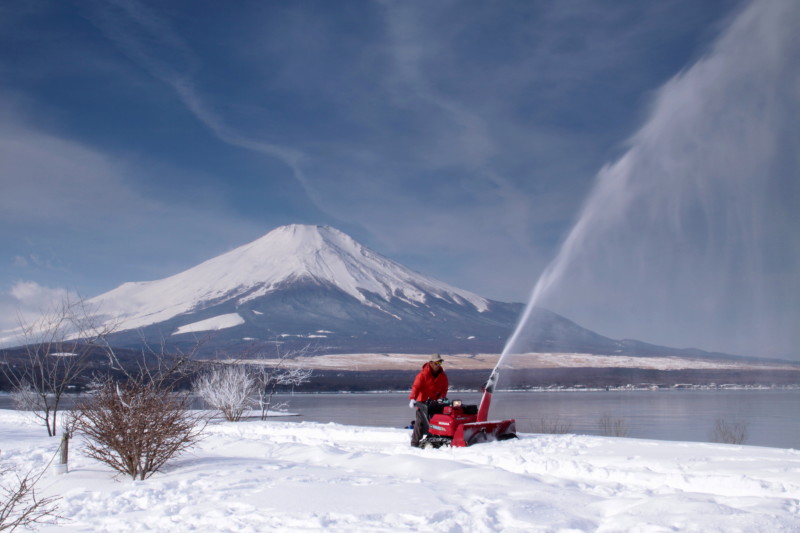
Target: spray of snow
[[690, 238]]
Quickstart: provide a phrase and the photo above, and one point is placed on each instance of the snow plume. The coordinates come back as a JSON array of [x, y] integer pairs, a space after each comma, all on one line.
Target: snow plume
[[690, 238]]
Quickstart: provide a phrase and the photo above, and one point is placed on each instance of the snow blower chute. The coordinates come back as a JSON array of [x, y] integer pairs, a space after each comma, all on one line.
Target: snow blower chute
[[465, 425]]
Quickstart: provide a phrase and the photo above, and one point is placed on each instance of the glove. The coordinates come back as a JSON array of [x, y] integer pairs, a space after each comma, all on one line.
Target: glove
[[412, 404]]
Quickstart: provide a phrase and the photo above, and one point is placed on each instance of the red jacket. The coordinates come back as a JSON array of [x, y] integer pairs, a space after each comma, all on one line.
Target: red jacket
[[427, 386]]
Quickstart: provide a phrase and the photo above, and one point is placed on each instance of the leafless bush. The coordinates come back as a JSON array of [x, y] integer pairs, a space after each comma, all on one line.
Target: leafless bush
[[552, 426], [613, 426], [729, 432], [228, 388], [136, 427], [19, 504]]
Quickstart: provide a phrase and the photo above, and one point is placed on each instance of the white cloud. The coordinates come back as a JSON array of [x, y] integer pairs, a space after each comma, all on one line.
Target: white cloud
[[24, 302], [30, 295]]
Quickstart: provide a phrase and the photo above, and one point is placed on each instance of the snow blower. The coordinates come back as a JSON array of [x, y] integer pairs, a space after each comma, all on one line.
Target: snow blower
[[465, 425]]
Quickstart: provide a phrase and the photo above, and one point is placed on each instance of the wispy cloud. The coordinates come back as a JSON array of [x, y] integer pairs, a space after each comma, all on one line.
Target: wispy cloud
[[460, 140], [149, 40], [376, 193], [422, 128], [77, 216]]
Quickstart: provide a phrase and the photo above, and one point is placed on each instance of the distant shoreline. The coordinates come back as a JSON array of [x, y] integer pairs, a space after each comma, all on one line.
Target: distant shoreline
[[355, 362]]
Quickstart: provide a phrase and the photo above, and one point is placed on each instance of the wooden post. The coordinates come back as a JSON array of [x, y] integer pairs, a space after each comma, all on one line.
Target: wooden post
[[63, 455]]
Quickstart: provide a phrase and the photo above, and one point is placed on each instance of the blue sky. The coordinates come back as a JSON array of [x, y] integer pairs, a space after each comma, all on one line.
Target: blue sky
[[462, 139]]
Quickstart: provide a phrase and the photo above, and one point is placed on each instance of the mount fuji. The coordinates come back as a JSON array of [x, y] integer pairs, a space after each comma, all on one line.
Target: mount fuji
[[303, 285]]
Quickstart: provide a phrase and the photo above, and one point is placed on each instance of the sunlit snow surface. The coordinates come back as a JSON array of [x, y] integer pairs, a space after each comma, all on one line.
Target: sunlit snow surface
[[301, 476], [229, 320]]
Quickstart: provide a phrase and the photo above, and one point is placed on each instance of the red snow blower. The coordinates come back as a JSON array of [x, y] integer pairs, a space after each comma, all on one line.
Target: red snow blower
[[465, 425]]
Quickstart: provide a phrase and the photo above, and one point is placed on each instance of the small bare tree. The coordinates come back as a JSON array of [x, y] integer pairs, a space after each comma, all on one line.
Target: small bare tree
[[611, 426], [19, 504], [283, 371], [228, 388], [58, 346], [729, 432], [137, 427]]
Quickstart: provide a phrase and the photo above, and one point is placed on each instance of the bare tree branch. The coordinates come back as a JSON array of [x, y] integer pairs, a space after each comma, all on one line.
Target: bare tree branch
[[58, 348], [162, 365], [271, 373], [228, 388], [729, 431], [19, 504]]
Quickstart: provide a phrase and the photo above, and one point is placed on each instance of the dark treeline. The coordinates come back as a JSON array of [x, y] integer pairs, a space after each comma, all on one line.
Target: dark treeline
[[397, 380], [400, 380]]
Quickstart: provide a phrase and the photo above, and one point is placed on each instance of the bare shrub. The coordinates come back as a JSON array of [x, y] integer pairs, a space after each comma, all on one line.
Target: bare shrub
[[552, 426], [611, 426], [136, 427], [729, 432], [228, 388], [19, 504]]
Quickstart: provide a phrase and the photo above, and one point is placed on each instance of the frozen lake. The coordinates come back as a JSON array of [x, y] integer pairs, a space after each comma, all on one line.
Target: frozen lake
[[772, 417]]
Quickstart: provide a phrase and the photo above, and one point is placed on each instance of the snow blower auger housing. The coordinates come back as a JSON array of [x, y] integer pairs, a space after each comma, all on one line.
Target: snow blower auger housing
[[458, 425]]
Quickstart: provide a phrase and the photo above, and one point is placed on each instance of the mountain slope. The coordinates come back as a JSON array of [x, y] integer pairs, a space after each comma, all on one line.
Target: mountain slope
[[285, 256], [307, 282]]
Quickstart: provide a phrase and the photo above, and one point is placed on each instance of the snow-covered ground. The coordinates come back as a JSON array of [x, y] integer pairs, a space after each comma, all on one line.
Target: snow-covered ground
[[300, 476]]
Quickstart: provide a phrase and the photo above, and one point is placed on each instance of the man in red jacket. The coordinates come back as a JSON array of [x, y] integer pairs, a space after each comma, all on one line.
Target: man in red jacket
[[429, 385]]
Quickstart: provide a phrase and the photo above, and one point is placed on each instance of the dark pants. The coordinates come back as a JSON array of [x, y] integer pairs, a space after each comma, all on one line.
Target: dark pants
[[425, 410]]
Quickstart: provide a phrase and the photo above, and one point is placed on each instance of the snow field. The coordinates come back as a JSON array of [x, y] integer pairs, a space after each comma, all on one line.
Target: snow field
[[256, 476]]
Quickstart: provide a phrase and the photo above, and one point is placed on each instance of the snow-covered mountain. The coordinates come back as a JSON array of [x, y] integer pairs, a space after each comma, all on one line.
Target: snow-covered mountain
[[301, 282], [305, 285], [285, 256]]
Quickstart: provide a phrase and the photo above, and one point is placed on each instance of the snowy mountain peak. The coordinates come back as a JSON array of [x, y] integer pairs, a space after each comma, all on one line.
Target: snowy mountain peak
[[288, 254]]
